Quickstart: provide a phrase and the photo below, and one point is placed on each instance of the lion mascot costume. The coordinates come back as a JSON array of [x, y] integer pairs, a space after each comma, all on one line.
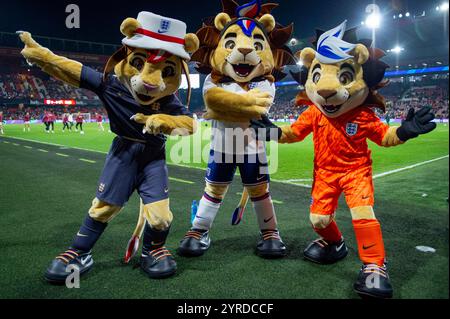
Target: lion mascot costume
[[147, 73], [341, 80], [243, 51]]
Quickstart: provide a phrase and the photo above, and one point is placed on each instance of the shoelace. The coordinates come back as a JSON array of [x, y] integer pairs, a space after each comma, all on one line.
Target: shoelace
[[160, 253], [270, 234], [321, 242], [194, 234], [374, 268], [68, 256]]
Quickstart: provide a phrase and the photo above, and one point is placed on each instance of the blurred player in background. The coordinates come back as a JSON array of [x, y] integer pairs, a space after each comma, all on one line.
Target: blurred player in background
[[70, 121], [79, 119], [99, 119], [1, 123], [45, 121], [51, 122], [26, 122], [66, 122]]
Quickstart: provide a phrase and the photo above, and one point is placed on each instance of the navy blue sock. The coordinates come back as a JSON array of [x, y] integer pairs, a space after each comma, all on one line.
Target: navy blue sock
[[153, 239], [90, 231]]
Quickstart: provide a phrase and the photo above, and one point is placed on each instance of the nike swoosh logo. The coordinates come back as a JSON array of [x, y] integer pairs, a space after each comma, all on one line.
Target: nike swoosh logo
[[365, 197], [260, 178], [162, 31], [268, 220], [81, 235], [84, 260], [367, 247], [340, 247]]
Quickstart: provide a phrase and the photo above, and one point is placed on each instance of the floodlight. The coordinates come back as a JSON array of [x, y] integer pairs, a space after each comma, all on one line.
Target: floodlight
[[373, 21]]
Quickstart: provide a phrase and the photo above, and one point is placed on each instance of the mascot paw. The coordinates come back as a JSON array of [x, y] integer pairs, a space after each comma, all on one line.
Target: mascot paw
[[153, 124], [33, 52], [258, 98]]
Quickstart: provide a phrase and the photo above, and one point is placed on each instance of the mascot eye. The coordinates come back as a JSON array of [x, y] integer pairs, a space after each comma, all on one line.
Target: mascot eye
[[346, 78], [259, 46], [316, 77], [168, 71], [137, 63], [230, 44]]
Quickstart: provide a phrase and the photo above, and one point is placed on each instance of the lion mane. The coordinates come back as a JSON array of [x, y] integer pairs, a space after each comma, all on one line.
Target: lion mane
[[210, 37]]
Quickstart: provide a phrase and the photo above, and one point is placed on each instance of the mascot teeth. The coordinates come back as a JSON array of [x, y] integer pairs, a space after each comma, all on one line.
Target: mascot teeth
[[243, 69]]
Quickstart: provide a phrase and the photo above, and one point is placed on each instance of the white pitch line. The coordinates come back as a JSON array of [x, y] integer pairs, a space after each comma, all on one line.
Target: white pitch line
[[288, 182], [409, 167], [181, 180], [87, 160], [62, 155]]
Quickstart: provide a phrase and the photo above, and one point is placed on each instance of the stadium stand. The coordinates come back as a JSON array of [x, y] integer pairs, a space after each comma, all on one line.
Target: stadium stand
[[24, 88]]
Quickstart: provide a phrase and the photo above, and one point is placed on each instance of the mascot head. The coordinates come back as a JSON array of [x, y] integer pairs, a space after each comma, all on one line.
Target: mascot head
[[243, 43], [343, 73], [154, 55]]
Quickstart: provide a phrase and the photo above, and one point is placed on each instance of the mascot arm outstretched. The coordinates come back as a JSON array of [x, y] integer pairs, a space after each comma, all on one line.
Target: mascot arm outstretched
[[66, 70], [167, 124], [236, 107], [415, 124]]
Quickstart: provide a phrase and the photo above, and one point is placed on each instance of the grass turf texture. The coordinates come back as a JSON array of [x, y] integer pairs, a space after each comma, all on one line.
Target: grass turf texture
[[44, 197]]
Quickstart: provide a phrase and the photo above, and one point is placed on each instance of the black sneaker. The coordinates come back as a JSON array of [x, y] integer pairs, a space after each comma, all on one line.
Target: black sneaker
[[158, 263], [59, 269], [323, 252], [195, 243], [373, 281], [270, 245]]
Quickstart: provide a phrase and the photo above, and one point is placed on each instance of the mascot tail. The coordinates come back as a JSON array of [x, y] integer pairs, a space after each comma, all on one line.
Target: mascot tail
[[133, 243], [239, 211]]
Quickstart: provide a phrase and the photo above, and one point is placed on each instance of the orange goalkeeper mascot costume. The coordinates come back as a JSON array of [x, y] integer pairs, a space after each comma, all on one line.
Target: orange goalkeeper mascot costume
[[341, 80]]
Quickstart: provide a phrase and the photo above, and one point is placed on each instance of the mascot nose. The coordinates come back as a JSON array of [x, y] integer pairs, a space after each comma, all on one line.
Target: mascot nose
[[150, 87], [326, 94], [245, 51]]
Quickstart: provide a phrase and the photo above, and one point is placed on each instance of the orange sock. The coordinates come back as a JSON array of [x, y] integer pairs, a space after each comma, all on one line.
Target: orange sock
[[331, 233], [370, 241]]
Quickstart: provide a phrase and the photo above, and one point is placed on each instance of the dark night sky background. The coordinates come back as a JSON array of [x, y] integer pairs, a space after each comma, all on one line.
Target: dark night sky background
[[100, 20]]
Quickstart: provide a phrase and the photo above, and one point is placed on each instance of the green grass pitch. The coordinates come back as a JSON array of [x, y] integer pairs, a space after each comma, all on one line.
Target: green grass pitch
[[46, 190]]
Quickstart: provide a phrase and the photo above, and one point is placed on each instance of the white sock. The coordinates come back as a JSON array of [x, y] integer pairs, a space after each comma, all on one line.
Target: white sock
[[265, 213], [206, 213]]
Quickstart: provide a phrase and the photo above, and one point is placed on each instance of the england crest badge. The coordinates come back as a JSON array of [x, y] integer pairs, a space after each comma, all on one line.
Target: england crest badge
[[164, 26], [351, 129]]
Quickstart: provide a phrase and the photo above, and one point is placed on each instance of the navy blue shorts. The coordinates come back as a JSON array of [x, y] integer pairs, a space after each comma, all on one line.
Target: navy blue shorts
[[133, 166], [222, 168]]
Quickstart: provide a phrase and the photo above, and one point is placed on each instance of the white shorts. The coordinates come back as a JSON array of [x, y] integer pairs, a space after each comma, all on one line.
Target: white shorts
[[27, 122]]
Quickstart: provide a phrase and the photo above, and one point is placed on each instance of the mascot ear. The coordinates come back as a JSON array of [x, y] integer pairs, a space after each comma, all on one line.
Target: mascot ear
[[191, 43], [221, 21], [361, 54], [129, 27], [268, 21], [307, 56]]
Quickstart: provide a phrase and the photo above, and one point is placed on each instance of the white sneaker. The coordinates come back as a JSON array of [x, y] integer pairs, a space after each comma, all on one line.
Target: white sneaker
[[81, 132]]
